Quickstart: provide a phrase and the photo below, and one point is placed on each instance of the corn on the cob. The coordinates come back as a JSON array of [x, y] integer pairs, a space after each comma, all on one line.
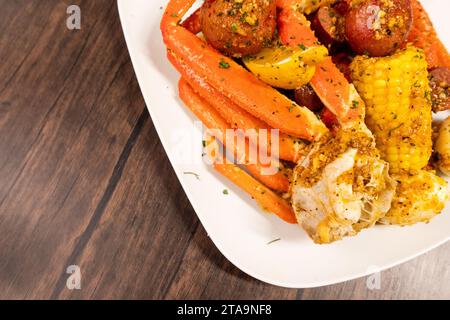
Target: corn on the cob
[[397, 94], [396, 91]]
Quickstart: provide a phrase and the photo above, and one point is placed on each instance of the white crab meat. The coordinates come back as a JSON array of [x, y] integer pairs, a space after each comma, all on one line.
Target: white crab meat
[[354, 191]]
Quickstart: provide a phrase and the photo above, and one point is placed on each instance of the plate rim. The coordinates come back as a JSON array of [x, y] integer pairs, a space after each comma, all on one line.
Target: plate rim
[[311, 284]]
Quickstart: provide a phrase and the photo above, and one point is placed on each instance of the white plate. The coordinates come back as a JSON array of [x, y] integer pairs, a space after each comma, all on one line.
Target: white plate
[[239, 229]]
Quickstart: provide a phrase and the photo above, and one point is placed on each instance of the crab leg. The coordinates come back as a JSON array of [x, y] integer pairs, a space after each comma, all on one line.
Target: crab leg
[[174, 12], [336, 93], [212, 119], [293, 27], [290, 148], [235, 82], [265, 197], [423, 35]]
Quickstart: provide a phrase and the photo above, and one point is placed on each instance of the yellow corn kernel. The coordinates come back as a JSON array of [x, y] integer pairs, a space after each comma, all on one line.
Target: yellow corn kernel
[[397, 95]]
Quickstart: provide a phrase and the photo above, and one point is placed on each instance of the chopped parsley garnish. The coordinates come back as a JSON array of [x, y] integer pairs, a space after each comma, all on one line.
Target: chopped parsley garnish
[[225, 191], [273, 241], [224, 65], [355, 104], [302, 46]]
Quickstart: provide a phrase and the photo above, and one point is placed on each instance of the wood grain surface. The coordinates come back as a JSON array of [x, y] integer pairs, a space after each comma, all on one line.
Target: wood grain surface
[[85, 181]]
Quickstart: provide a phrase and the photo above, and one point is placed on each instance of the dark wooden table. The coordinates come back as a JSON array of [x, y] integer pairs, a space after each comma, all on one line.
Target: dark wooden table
[[85, 181]]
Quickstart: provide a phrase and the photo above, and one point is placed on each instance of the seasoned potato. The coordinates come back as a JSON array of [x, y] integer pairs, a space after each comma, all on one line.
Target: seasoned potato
[[378, 27], [238, 27], [440, 88], [419, 197], [442, 147]]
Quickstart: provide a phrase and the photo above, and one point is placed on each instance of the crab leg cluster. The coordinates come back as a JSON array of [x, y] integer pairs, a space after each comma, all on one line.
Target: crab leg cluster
[[337, 94], [224, 96], [262, 189], [213, 121], [289, 147], [236, 83]]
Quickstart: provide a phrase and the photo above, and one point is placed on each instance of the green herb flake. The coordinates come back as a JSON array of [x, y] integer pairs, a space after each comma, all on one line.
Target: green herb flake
[[224, 65], [225, 191], [273, 241]]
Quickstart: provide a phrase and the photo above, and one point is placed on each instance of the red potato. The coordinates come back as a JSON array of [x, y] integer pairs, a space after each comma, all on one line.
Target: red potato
[[342, 7], [328, 25], [306, 97], [238, 28], [378, 27], [440, 88]]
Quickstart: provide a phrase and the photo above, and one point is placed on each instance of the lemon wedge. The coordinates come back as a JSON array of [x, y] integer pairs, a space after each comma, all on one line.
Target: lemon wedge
[[285, 67]]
